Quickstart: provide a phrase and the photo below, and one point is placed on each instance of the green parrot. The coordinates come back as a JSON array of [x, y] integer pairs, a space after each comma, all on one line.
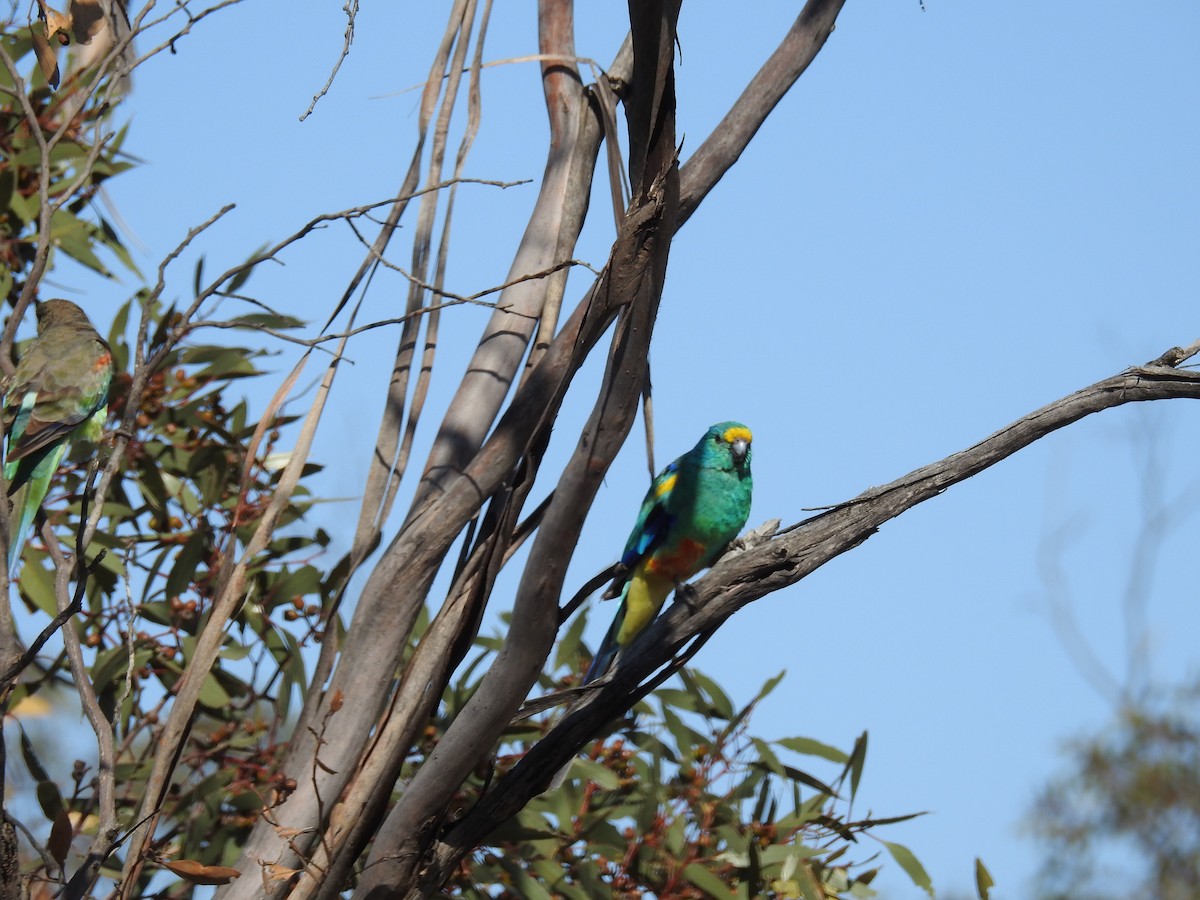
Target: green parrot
[[694, 508], [58, 392]]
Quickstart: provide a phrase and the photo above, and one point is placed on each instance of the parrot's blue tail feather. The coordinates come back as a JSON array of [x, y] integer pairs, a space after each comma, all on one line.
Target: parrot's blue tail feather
[[606, 653]]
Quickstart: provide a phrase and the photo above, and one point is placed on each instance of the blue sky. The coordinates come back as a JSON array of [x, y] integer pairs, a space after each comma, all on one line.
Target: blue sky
[[959, 214]]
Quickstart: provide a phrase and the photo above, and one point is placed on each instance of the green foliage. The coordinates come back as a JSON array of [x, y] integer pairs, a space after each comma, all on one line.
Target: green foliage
[[193, 485], [1133, 797], [76, 161], [983, 880], [682, 802], [185, 501]]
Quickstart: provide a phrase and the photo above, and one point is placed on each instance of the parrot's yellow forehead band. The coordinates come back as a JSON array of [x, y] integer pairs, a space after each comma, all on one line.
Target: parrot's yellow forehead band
[[737, 434]]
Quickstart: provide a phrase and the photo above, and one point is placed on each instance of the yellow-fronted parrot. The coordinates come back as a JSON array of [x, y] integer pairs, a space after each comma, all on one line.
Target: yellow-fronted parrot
[[694, 508], [58, 392]]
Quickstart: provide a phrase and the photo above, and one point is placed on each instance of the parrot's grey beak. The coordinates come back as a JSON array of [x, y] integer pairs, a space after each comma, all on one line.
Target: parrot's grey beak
[[739, 449]]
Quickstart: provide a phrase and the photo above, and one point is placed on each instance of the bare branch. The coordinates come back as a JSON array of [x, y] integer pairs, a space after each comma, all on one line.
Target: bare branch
[[305, 803], [351, 10], [633, 284], [143, 22], [383, 476], [496, 361]]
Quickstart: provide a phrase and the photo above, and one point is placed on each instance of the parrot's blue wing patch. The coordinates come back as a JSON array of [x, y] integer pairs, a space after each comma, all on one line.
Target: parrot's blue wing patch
[[654, 519]]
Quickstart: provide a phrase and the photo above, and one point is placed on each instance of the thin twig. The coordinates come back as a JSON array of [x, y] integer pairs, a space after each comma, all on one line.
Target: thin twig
[[351, 10], [47, 860]]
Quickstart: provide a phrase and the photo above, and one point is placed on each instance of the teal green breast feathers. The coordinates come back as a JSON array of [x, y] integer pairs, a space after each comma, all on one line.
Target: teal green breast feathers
[[58, 391], [694, 508]]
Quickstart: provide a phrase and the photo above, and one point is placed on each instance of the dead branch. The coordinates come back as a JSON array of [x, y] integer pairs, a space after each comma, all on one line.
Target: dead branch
[[633, 284]]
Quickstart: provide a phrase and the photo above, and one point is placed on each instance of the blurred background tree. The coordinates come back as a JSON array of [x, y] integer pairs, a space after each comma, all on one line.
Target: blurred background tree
[[1130, 800], [1123, 816]]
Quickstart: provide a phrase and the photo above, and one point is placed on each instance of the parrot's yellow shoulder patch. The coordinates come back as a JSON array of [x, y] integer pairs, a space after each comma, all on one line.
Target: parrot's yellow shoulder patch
[[664, 487], [737, 433]]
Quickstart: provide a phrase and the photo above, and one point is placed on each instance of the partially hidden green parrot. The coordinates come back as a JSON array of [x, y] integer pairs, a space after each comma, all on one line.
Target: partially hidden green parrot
[[58, 392], [694, 508]]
